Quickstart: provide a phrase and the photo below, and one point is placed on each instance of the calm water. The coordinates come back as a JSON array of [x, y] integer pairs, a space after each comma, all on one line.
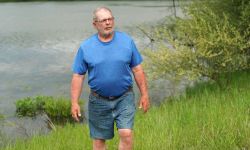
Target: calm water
[[38, 41]]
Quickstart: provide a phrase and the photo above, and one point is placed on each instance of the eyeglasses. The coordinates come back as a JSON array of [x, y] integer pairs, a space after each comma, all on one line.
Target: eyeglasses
[[105, 20]]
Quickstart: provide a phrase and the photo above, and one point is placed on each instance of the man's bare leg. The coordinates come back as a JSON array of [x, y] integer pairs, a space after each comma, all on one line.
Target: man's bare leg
[[99, 144], [126, 139]]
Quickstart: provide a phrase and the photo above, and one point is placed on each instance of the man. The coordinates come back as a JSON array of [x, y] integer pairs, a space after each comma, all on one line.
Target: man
[[109, 57]]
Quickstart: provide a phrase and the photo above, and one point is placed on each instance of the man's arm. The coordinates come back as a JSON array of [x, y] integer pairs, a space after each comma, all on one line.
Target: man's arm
[[76, 89], [142, 85]]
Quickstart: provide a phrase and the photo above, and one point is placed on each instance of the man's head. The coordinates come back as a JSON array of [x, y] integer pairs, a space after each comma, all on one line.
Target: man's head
[[103, 21]]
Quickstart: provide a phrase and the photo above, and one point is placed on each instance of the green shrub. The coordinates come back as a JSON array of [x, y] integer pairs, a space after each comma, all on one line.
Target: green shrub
[[26, 107], [58, 109], [212, 40]]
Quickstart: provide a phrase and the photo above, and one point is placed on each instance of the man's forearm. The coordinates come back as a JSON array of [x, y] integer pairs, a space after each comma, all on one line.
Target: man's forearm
[[141, 82], [76, 88]]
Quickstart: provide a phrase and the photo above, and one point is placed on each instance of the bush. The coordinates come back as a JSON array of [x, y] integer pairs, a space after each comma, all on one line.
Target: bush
[[212, 40], [27, 107], [57, 109]]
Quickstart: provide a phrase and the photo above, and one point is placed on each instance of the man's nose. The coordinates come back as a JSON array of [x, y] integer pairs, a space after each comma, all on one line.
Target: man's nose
[[107, 21]]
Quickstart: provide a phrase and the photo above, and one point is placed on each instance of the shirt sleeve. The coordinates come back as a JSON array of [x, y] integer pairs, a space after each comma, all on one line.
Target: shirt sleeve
[[136, 56], [79, 66]]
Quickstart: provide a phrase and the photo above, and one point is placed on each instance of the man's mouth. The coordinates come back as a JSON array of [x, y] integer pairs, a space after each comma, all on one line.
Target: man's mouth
[[108, 28]]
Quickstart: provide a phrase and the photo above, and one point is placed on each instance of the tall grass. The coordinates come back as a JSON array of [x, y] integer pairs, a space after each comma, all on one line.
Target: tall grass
[[207, 117]]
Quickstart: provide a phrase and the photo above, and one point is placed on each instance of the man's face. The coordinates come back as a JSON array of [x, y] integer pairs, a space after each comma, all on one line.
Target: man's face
[[104, 23]]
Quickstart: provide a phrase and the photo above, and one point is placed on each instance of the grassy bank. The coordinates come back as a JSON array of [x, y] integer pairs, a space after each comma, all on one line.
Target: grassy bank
[[206, 117]]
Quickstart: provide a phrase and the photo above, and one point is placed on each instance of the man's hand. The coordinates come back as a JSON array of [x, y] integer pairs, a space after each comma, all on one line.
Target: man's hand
[[75, 111], [76, 89], [144, 103]]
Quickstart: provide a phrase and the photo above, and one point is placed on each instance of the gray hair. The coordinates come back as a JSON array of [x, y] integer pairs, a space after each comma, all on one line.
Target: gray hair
[[98, 9]]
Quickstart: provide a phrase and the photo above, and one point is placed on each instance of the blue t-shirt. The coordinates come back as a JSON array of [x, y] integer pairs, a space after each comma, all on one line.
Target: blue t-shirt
[[108, 64]]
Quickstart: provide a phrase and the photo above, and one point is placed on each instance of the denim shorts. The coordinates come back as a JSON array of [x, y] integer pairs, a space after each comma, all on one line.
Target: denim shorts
[[103, 113]]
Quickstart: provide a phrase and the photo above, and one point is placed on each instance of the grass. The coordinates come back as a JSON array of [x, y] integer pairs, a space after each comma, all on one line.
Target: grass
[[206, 117], [57, 108]]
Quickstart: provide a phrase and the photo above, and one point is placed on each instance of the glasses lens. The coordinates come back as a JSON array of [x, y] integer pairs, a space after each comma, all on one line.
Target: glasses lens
[[105, 20]]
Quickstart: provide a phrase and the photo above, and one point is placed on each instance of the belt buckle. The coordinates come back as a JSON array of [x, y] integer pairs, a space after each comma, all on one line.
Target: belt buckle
[[111, 97]]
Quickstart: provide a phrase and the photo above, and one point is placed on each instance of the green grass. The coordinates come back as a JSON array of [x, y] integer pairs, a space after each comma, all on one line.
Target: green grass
[[205, 118], [57, 108]]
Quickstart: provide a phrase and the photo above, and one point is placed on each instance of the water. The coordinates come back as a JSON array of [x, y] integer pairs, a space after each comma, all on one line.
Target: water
[[38, 41]]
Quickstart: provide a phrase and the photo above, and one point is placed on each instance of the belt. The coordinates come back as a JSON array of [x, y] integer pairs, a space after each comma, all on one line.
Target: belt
[[110, 98]]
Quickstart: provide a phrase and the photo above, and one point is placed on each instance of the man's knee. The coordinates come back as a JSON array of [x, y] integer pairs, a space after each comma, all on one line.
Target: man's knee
[[125, 134], [126, 139]]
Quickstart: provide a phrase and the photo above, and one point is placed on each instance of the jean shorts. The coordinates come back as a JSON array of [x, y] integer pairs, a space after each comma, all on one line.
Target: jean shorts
[[103, 114]]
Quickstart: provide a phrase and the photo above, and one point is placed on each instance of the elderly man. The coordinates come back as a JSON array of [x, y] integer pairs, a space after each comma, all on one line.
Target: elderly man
[[109, 57]]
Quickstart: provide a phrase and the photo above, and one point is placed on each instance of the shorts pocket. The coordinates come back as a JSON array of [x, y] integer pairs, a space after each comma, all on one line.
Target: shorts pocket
[[92, 98]]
